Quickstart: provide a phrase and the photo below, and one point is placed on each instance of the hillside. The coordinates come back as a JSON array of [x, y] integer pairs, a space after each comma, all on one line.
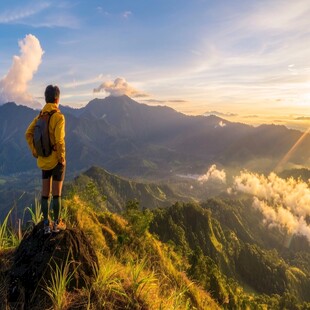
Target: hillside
[[179, 250], [104, 263], [225, 247], [108, 191], [229, 248], [138, 140], [214, 247]]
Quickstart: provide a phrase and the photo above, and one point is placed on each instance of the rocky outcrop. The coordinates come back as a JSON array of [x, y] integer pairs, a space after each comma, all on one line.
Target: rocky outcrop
[[36, 259]]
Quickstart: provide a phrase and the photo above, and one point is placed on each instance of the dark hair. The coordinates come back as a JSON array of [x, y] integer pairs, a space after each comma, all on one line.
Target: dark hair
[[51, 93]]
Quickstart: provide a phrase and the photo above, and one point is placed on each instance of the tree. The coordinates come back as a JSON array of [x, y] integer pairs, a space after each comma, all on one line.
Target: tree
[[138, 219], [198, 268]]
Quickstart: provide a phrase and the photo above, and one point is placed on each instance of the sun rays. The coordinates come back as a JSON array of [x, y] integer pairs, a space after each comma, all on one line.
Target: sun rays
[[291, 151]]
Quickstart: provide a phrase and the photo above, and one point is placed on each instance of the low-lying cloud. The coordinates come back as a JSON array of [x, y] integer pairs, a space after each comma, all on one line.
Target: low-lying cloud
[[283, 203], [14, 85], [119, 87], [213, 174], [221, 114], [222, 124]]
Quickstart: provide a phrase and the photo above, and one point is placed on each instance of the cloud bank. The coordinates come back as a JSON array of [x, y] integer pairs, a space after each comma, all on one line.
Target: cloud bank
[[14, 85], [118, 88], [213, 174], [283, 203]]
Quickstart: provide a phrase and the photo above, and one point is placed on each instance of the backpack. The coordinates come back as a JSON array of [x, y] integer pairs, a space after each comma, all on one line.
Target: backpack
[[41, 137]]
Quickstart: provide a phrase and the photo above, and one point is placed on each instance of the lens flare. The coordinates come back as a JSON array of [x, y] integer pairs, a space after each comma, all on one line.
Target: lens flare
[[288, 155]]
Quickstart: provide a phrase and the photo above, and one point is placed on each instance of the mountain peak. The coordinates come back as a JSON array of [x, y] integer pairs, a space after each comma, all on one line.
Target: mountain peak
[[10, 103]]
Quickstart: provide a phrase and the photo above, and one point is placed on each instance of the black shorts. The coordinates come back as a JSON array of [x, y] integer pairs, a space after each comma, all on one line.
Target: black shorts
[[58, 173]]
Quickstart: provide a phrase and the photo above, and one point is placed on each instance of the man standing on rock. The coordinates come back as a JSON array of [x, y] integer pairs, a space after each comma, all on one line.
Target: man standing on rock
[[53, 162]]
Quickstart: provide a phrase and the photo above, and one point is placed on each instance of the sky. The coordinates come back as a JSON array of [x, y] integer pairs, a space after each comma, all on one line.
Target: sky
[[245, 61]]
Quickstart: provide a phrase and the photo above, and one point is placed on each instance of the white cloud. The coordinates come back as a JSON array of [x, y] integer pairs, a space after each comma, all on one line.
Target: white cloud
[[76, 83], [41, 14], [213, 174], [14, 85], [288, 16], [249, 53], [222, 124], [118, 88], [127, 14], [283, 203], [221, 114], [18, 14]]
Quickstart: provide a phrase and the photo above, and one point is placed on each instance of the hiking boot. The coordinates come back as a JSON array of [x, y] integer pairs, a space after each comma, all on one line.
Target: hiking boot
[[55, 226], [58, 226], [47, 228]]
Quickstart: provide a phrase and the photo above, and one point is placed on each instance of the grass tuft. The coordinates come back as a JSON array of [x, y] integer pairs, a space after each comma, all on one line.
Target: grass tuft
[[8, 238], [108, 284], [35, 212], [56, 289]]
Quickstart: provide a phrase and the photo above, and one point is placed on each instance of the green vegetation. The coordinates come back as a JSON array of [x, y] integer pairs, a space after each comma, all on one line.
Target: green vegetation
[[107, 285], [136, 271], [216, 239], [60, 279], [211, 255], [105, 191], [141, 284], [8, 238], [139, 219], [35, 212]]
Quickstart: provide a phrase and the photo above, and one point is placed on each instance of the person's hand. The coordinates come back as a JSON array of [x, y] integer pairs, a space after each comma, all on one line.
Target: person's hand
[[63, 162]]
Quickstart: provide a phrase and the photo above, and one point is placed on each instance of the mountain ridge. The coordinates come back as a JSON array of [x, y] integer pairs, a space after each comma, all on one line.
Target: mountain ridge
[[116, 191], [138, 140]]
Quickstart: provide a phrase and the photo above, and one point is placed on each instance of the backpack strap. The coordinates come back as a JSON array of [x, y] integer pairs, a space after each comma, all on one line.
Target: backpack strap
[[48, 124]]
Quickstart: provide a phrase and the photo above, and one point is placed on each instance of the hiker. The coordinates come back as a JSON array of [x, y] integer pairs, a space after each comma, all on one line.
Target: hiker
[[52, 166]]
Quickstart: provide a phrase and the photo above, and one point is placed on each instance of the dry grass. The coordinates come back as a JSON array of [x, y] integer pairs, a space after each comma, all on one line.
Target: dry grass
[[134, 272], [137, 273], [56, 289], [85, 218]]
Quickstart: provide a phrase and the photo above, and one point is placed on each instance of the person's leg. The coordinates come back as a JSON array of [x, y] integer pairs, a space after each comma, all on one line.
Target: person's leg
[[56, 190], [58, 177], [46, 189]]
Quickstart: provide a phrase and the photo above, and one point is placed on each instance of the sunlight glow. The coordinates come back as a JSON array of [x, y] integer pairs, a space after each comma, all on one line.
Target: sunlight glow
[[288, 155]]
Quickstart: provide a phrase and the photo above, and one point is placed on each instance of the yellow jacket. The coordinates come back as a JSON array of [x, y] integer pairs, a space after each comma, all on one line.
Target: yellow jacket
[[57, 137]]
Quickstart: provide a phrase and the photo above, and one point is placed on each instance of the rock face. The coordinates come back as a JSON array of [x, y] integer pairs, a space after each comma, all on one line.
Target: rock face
[[37, 257]]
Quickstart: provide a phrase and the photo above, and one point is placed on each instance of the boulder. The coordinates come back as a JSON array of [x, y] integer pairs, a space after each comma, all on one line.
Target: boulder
[[36, 259]]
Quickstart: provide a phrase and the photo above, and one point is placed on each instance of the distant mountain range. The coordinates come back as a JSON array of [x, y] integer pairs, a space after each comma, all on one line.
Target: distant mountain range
[[138, 140]]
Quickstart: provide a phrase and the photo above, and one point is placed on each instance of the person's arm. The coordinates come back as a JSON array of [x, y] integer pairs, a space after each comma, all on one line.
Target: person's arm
[[60, 140], [29, 137]]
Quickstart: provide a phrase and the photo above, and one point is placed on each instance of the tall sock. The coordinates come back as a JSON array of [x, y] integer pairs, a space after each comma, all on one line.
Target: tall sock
[[56, 206], [44, 207]]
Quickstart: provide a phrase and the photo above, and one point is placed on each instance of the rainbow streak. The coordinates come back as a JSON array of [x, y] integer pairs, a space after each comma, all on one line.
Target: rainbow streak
[[291, 151]]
